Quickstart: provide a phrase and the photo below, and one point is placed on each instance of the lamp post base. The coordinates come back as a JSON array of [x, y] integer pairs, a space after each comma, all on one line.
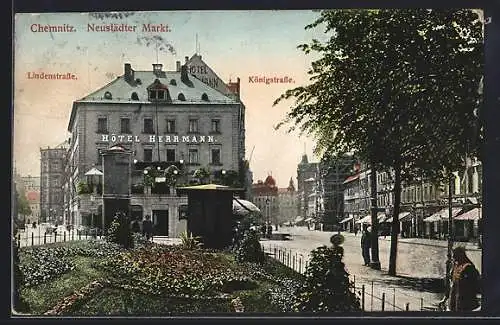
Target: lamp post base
[[375, 265]]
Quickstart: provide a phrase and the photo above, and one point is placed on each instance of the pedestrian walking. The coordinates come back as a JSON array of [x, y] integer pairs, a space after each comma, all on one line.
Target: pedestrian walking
[[134, 226], [461, 293], [356, 230], [366, 244], [147, 227]]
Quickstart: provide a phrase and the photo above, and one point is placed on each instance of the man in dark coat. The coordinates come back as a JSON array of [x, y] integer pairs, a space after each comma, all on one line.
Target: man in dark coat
[[365, 245], [147, 227]]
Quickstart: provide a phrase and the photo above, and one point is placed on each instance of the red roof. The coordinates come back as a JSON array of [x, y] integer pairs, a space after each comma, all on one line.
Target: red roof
[[351, 178], [33, 196]]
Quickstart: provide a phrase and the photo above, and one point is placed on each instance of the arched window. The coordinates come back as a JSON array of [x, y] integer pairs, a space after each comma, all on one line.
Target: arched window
[[181, 97], [134, 96], [204, 97]]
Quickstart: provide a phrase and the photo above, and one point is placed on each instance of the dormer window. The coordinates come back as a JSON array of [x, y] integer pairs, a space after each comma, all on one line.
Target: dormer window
[[134, 96], [204, 97], [108, 95], [158, 94]]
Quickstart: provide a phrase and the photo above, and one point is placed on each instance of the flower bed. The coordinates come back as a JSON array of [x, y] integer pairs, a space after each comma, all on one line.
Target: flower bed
[[177, 272], [40, 264]]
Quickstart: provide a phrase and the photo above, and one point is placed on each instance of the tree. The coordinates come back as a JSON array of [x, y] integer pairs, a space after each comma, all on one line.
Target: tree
[[326, 287], [22, 204], [398, 87]]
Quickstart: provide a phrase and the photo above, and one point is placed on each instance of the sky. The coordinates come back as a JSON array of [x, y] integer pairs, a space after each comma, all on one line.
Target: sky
[[234, 44]]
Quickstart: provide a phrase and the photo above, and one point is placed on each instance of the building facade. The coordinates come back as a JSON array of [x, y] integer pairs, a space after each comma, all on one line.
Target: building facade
[[307, 183], [424, 210], [31, 186], [52, 176], [265, 197], [287, 201], [169, 120]]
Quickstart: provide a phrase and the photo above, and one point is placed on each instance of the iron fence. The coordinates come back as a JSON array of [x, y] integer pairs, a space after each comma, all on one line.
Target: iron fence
[[41, 237], [377, 298]]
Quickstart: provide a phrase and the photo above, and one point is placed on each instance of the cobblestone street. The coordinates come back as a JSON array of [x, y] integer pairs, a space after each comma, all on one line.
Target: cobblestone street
[[420, 266]]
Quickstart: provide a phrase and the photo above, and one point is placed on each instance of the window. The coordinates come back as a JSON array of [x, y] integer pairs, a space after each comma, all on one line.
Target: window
[[170, 154], [148, 126], [216, 126], [125, 125], [216, 156], [102, 125], [158, 94], [193, 156], [193, 125], [148, 154], [170, 126]]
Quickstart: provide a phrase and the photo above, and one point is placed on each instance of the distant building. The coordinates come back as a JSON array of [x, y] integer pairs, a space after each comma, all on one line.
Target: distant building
[[307, 177], [52, 166], [31, 186], [265, 197], [287, 198]]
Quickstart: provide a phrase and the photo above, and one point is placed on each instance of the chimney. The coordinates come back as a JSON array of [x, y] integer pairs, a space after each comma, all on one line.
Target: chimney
[[128, 73], [157, 68], [178, 68], [185, 76]]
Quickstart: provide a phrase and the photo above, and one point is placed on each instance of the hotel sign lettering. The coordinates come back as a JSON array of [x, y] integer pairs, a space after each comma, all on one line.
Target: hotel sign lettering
[[120, 138]]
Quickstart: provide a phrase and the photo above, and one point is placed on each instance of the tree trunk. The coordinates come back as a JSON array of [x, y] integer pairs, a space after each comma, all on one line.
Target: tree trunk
[[395, 221], [375, 263]]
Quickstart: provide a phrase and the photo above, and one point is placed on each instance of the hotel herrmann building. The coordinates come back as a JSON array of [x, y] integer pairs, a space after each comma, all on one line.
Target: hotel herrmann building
[[165, 118]]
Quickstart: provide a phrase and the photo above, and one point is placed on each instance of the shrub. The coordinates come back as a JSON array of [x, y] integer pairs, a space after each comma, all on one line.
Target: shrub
[[326, 287], [119, 232], [19, 304], [249, 249], [190, 242]]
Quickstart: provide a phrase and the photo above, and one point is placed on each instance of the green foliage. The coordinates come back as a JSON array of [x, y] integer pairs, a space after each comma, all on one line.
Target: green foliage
[[83, 188], [190, 242], [22, 204], [44, 263], [19, 303], [326, 287], [175, 271], [119, 232], [249, 250], [397, 86]]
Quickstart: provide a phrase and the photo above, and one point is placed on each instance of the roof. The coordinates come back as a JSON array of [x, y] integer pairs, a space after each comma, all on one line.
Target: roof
[[210, 187], [121, 91]]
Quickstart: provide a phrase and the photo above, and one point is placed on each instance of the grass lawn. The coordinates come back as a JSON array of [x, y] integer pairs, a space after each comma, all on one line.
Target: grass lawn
[[191, 268]]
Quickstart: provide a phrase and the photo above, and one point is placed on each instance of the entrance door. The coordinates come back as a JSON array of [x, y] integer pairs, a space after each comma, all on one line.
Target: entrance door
[[160, 221]]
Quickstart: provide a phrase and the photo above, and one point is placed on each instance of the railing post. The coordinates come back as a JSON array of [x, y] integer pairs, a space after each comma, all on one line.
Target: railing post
[[300, 265], [32, 239], [383, 301], [293, 262], [79, 236], [73, 235], [394, 299], [363, 297], [44, 238], [55, 236], [354, 282], [371, 301], [421, 304], [407, 307], [19, 240], [275, 251], [64, 236]]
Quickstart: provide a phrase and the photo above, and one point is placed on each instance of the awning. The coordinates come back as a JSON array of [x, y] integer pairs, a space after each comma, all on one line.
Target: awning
[[473, 214], [443, 215], [299, 219], [243, 207], [403, 216], [368, 218], [346, 219]]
